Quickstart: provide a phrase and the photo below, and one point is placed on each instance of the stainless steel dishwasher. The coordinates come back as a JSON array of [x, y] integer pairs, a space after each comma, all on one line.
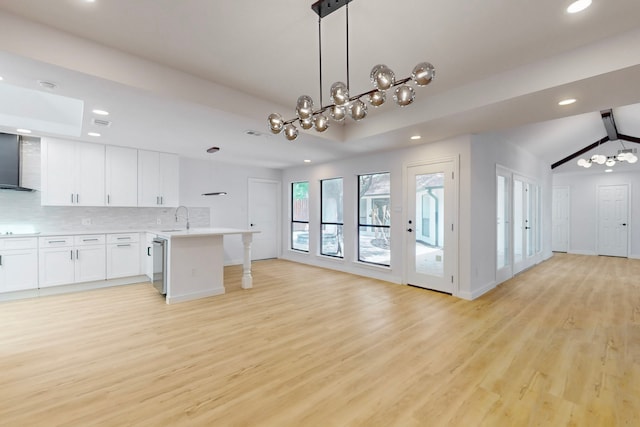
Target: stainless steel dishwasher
[[160, 265]]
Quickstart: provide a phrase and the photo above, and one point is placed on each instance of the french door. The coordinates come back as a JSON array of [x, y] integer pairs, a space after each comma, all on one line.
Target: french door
[[432, 250], [526, 231], [518, 223], [504, 255], [613, 211]]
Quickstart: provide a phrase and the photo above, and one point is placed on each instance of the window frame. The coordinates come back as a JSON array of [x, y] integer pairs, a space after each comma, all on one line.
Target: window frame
[[380, 226], [339, 225], [296, 221]]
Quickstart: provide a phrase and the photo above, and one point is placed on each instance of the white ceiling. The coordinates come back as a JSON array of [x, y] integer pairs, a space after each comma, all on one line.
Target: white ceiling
[[181, 76]]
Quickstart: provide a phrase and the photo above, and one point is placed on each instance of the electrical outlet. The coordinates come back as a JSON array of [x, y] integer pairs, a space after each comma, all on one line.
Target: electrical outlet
[[86, 221], [158, 221]]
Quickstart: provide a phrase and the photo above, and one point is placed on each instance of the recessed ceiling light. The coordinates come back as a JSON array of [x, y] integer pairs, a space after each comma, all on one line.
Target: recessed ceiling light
[[608, 170], [567, 101], [414, 137], [307, 161], [23, 131], [1, 79], [93, 134], [578, 6], [100, 112]]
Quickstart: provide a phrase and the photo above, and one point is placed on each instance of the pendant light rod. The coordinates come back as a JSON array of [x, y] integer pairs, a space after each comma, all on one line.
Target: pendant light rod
[[347, 26], [320, 55]]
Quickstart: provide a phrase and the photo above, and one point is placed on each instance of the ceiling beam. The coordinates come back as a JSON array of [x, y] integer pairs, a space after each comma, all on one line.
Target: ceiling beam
[[580, 152], [609, 124], [629, 138]]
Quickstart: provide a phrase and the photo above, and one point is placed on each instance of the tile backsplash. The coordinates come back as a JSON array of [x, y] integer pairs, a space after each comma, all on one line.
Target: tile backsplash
[[20, 209]]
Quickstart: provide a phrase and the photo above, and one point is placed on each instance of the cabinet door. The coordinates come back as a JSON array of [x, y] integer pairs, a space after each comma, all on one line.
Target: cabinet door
[[58, 165], [169, 179], [18, 270], [90, 173], [56, 266], [148, 182], [121, 176], [123, 260], [90, 263]]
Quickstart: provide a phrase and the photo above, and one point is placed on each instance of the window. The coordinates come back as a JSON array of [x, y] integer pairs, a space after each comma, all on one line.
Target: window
[[300, 216], [374, 218], [331, 221]]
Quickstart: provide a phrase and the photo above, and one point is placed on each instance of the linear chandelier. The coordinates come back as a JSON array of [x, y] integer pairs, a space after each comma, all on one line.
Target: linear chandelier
[[625, 155], [343, 104]]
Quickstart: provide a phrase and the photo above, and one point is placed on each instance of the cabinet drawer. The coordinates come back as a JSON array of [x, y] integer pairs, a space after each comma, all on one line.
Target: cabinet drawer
[[55, 241], [123, 238], [19, 243], [89, 239]]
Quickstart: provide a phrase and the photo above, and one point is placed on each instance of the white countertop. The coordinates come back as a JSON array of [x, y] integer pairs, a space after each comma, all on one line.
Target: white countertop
[[164, 232], [194, 232]]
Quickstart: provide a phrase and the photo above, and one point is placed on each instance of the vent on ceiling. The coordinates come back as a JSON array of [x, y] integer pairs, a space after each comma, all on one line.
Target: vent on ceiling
[[101, 122]]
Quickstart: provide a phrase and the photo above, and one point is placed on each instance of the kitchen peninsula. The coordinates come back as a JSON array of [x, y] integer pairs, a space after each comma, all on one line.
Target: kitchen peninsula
[[195, 262]]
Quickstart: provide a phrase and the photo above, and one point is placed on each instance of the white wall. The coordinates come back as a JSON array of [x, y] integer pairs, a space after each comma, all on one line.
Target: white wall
[[477, 206], [390, 161], [583, 208], [205, 176], [489, 151]]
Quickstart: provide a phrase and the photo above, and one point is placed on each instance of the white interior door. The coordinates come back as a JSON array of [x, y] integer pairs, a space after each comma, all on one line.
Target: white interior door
[[613, 211], [560, 219], [264, 202], [432, 252], [504, 255]]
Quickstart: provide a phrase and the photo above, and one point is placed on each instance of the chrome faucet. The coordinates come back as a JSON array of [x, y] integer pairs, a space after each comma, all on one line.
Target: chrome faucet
[[186, 210]]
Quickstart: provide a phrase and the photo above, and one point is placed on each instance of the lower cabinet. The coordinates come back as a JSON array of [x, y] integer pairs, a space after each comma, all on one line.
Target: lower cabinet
[[71, 259], [123, 255], [18, 264]]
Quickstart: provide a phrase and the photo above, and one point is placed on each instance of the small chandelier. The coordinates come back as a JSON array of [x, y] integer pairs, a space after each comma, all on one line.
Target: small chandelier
[[343, 104], [624, 155]]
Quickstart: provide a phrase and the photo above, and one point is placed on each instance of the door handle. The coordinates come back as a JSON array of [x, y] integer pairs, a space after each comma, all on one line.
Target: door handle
[[409, 230], [251, 225], [148, 250], [624, 224]]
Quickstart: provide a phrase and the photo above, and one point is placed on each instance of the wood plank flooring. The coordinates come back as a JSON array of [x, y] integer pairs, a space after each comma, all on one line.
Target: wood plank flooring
[[558, 345]]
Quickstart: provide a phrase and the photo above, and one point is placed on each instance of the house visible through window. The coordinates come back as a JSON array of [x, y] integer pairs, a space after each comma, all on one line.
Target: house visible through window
[[332, 219], [374, 218], [300, 216]]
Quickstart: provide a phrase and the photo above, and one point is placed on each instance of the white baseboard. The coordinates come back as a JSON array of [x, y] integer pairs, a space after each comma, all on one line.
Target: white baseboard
[[634, 256], [471, 295], [581, 252], [74, 287], [196, 295]]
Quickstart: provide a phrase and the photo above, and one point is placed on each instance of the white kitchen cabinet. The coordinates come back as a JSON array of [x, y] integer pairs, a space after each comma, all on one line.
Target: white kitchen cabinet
[[123, 255], [158, 175], [18, 264], [73, 173], [121, 176], [65, 260]]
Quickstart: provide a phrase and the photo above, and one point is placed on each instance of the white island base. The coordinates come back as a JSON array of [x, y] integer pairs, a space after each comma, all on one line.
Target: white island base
[[195, 263]]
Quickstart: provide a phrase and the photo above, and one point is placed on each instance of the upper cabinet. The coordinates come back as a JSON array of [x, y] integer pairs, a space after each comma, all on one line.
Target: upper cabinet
[[121, 165], [158, 176], [73, 173]]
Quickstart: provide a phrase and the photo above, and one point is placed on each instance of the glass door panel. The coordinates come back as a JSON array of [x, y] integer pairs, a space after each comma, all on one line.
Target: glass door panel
[[431, 248]]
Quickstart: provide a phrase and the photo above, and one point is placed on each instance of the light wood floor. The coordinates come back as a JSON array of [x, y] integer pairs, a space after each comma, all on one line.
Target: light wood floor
[[558, 345]]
